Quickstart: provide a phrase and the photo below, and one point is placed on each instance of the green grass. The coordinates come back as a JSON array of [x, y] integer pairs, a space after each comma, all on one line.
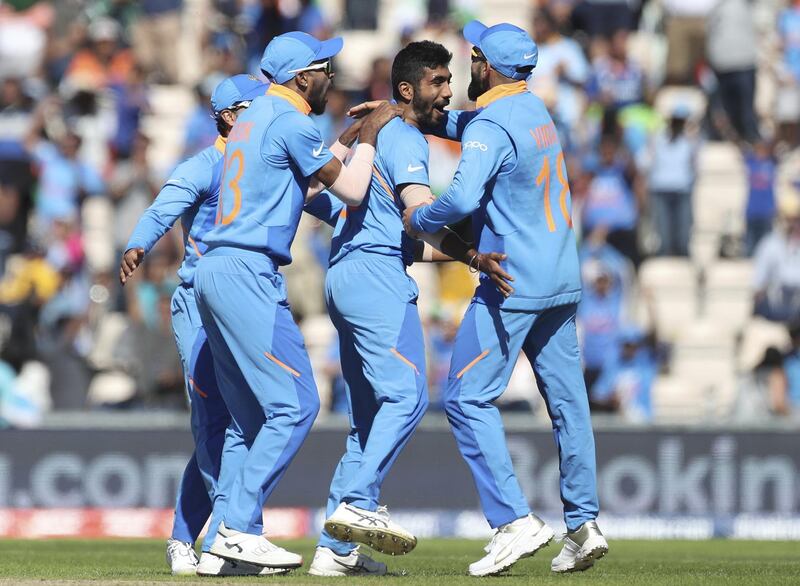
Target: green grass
[[434, 562]]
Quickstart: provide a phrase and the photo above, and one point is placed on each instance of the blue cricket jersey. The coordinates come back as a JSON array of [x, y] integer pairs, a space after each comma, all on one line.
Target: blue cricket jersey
[[513, 180], [273, 150], [190, 194], [376, 226]]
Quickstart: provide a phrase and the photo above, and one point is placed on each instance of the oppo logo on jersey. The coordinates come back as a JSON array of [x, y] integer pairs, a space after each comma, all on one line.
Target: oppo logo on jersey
[[474, 144]]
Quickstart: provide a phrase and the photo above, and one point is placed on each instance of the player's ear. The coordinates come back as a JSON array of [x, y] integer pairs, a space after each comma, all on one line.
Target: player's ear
[[406, 91], [302, 80]]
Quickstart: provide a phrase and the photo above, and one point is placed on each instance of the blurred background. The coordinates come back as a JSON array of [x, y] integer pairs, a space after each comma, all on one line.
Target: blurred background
[[680, 122]]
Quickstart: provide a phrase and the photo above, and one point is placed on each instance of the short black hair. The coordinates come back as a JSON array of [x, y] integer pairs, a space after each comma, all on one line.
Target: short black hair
[[410, 62], [222, 127]]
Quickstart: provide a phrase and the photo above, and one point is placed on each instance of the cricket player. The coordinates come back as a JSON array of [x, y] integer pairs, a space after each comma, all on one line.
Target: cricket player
[[191, 194], [273, 153], [372, 301], [512, 180]]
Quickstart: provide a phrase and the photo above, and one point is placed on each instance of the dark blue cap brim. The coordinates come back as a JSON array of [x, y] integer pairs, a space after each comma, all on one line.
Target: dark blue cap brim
[[329, 48], [473, 32]]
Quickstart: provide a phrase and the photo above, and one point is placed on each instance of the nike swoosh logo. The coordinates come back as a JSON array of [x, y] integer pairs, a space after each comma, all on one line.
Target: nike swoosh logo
[[528, 56], [317, 152], [234, 545], [413, 169]]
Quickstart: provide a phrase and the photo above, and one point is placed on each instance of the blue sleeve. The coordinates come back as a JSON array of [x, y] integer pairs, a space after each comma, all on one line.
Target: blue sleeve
[[485, 147], [453, 125], [187, 184], [325, 207], [303, 141], [410, 165]]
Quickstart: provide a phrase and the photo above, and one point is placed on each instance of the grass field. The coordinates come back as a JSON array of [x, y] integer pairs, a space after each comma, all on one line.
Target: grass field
[[434, 562]]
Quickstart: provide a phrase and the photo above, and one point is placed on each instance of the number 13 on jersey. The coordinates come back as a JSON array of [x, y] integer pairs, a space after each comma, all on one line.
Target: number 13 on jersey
[[544, 178]]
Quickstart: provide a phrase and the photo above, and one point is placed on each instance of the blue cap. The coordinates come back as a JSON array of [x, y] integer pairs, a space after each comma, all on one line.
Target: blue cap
[[506, 47], [290, 52], [239, 88]]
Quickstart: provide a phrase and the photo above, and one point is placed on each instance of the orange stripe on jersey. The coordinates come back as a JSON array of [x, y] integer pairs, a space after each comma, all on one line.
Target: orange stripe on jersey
[[194, 245], [283, 365], [197, 389], [383, 183], [475, 361], [404, 359]]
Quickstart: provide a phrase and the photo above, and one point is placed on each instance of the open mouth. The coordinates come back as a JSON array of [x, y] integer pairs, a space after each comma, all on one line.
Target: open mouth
[[440, 108]]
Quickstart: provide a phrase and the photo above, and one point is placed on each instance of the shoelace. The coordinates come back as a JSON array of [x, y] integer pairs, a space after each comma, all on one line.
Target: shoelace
[[493, 541], [265, 546], [383, 511], [178, 548]]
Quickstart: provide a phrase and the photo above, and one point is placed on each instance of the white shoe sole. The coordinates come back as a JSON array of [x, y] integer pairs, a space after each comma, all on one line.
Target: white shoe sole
[[185, 572], [584, 560], [243, 557], [542, 538], [381, 540]]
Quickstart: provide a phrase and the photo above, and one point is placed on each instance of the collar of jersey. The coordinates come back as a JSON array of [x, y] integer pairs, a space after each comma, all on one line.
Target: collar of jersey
[[220, 143], [290, 96], [501, 91]]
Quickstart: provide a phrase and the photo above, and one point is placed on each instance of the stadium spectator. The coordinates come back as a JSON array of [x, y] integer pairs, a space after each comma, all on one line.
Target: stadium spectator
[[613, 198], [16, 180], [441, 329], [602, 18], [671, 181], [780, 371], [561, 71], [201, 130], [776, 266], [762, 171], [131, 103], [310, 19], [617, 80], [378, 85], [154, 35], [64, 179], [606, 276], [103, 62], [132, 186], [686, 36], [627, 377], [731, 49], [787, 111], [23, 37]]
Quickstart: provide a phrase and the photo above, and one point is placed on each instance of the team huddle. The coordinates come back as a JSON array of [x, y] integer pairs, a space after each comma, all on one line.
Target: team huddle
[[248, 377]]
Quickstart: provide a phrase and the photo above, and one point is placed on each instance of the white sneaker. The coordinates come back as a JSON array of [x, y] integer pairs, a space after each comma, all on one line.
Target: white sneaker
[[253, 549], [181, 557], [512, 542], [375, 529], [213, 565], [581, 548], [328, 563]]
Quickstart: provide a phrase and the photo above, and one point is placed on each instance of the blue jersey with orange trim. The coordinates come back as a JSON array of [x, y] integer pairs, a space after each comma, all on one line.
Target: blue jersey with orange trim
[[376, 226], [513, 180], [273, 150], [190, 194]]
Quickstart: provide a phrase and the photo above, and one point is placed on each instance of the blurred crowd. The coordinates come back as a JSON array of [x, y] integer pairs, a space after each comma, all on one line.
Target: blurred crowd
[[637, 90]]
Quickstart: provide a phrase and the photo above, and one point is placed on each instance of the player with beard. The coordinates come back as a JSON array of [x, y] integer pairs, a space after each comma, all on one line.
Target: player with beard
[[262, 368], [372, 301], [512, 180]]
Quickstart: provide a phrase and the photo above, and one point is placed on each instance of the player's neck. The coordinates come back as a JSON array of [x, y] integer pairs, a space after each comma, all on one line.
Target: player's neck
[[409, 117]]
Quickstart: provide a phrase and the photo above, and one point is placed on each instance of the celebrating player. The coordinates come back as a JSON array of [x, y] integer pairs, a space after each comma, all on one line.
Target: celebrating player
[[262, 367], [373, 304], [191, 194], [512, 179]]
